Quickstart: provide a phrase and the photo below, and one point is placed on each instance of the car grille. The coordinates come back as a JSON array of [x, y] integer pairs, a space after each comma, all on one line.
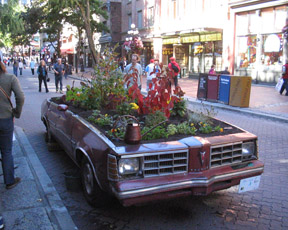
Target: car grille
[[167, 163], [226, 154]]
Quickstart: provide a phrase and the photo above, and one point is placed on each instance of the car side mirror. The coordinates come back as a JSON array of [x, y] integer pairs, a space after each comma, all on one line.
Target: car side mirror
[[62, 107]]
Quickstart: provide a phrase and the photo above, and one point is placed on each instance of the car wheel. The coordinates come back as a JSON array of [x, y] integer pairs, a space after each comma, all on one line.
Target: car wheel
[[52, 145], [92, 192]]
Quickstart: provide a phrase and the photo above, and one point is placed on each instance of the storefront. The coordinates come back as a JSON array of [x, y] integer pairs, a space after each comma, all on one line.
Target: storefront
[[195, 52], [259, 43]]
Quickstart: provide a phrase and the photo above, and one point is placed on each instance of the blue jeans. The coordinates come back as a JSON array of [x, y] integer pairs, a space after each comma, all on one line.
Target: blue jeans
[[6, 141], [15, 71], [284, 86], [58, 79]]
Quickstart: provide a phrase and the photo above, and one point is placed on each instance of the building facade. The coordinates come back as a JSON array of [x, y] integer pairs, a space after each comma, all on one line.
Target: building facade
[[260, 47]]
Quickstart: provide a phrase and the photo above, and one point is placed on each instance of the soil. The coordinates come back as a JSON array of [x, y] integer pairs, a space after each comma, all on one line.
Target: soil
[[227, 128]]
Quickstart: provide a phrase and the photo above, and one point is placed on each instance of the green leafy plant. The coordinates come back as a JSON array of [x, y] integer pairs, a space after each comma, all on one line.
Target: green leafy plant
[[155, 118], [205, 128], [104, 90], [100, 119], [179, 108], [185, 128], [172, 129], [156, 133]]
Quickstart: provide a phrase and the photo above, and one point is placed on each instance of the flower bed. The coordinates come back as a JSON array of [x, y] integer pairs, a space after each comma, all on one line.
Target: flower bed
[[106, 97]]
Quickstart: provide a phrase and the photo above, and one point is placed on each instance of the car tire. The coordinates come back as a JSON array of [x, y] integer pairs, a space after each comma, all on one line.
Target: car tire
[[52, 145], [94, 195]]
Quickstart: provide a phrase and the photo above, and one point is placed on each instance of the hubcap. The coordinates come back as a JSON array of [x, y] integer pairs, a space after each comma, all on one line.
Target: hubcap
[[88, 178]]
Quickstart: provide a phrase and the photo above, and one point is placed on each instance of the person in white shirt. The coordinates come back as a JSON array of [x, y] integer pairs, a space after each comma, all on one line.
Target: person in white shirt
[[134, 67], [151, 70], [20, 67]]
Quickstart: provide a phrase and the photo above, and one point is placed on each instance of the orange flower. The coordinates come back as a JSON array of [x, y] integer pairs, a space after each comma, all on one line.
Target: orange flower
[[78, 94], [221, 130]]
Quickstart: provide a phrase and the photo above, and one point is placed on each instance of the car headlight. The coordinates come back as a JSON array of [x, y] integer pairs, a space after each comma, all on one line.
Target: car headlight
[[248, 148], [128, 166]]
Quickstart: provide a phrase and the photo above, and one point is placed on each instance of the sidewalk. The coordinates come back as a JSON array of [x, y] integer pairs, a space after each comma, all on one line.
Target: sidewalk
[[34, 203], [265, 101]]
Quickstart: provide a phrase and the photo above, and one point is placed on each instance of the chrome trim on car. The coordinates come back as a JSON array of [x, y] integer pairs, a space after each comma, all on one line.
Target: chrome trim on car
[[184, 184]]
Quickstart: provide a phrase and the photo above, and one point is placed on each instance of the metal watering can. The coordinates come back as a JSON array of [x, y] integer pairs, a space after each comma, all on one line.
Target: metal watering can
[[133, 131]]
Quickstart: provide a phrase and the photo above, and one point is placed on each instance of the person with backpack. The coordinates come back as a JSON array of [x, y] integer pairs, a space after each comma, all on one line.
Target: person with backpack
[[174, 67], [285, 78]]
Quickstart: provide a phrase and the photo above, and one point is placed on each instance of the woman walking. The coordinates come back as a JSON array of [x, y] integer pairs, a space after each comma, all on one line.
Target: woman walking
[[42, 75]]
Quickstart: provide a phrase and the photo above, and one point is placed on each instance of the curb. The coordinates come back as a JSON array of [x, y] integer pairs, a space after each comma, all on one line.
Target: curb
[[193, 101], [59, 210]]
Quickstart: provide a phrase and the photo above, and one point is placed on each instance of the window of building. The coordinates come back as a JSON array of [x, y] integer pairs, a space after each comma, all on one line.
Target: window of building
[[151, 16], [129, 20], [103, 31], [140, 19]]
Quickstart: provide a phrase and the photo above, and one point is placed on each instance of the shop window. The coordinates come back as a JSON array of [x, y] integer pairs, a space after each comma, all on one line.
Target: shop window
[[151, 16], [267, 18], [272, 50], [140, 19], [280, 18], [242, 24], [246, 51]]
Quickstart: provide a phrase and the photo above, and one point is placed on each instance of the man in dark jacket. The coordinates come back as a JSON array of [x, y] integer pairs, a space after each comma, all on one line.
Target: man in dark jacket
[[59, 72]]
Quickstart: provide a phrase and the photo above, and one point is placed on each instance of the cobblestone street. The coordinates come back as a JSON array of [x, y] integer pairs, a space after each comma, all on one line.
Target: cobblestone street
[[264, 208]]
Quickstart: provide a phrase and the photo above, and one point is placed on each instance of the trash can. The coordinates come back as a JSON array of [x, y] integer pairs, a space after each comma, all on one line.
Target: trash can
[[224, 89], [202, 87], [212, 87], [240, 88]]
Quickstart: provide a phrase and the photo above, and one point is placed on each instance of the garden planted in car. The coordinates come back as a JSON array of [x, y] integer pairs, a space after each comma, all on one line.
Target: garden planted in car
[[107, 103]]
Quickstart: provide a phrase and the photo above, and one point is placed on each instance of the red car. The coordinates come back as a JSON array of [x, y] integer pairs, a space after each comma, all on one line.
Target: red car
[[152, 171]]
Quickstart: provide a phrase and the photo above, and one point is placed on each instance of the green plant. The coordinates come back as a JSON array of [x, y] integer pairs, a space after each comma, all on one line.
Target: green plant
[[157, 133], [205, 128], [104, 90], [179, 108], [185, 128], [172, 129], [155, 118], [100, 119]]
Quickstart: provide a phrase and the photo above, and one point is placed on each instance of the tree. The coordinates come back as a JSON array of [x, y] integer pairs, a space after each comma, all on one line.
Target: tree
[[86, 8]]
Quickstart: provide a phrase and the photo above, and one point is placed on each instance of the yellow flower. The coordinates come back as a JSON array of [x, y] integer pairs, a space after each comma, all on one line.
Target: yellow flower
[[221, 130], [106, 115], [201, 123], [168, 101], [134, 106], [204, 125], [99, 119], [192, 124]]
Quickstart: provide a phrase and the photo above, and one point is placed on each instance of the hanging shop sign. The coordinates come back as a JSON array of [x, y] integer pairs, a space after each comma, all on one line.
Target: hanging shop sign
[[193, 38], [167, 41], [211, 37]]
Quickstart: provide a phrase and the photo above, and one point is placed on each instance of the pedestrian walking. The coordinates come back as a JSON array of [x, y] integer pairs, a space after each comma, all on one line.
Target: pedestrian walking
[[285, 78], [175, 68], [212, 70], [15, 67], [42, 75], [20, 67], [32, 66], [134, 67], [58, 69], [66, 70], [8, 84]]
